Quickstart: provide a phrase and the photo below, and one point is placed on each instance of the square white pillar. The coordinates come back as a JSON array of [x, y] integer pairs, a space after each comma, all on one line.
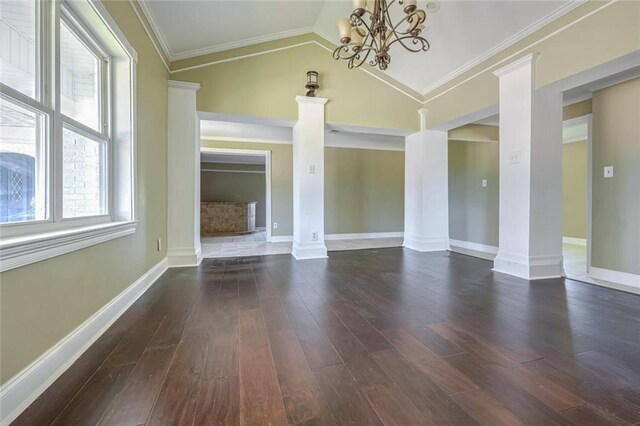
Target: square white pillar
[[183, 192], [530, 224], [308, 179], [426, 194]]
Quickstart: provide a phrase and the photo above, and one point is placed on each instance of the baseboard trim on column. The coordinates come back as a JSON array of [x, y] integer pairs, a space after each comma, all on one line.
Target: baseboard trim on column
[[530, 268], [616, 277], [315, 250], [425, 244], [182, 257]]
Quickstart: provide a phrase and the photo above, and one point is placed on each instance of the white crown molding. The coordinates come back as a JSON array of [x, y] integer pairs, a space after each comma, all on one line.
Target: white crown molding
[[146, 10], [561, 11], [149, 34], [176, 84], [22, 389], [240, 43], [527, 60], [524, 49]]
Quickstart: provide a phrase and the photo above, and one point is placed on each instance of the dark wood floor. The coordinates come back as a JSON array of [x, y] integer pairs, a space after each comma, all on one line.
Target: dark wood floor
[[385, 336]]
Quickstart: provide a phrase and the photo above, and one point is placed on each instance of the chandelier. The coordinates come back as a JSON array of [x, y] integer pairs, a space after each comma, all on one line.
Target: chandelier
[[369, 32]]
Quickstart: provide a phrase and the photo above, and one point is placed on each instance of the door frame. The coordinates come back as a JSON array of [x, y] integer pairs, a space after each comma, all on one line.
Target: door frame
[[267, 178]]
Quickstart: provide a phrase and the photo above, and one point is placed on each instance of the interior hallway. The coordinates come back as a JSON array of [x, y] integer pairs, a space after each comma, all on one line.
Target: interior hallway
[[366, 337]]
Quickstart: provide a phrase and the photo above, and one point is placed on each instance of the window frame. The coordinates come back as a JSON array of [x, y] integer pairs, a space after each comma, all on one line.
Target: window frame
[[26, 242]]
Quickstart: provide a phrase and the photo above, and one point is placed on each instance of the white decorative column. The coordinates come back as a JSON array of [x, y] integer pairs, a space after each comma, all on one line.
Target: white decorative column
[[426, 193], [530, 227], [183, 192], [308, 179]]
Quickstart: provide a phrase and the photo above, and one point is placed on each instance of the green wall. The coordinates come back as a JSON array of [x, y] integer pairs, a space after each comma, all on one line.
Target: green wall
[[616, 200], [364, 188], [574, 189], [473, 210], [234, 186], [266, 86], [363, 191], [43, 302]]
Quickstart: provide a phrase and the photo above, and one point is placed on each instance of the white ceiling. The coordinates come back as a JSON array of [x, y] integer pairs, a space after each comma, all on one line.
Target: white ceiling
[[461, 33]]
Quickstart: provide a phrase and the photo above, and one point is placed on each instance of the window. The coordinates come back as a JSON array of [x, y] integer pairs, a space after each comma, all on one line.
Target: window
[[67, 80]]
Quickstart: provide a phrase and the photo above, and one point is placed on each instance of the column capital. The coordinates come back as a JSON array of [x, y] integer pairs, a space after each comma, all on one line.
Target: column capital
[[311, 100], [528, 60], [175, 84], [422, 112]]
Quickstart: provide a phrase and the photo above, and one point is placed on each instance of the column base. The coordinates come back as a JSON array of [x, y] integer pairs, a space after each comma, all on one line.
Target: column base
[[424, 244], [530, 268], [184, 257], [315, 250]]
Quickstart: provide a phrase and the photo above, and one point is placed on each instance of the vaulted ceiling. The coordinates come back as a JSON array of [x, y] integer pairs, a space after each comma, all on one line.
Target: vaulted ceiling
[[461, 33]]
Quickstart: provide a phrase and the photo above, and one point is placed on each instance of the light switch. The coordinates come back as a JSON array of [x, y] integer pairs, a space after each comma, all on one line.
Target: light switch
[[484, 183], [312, 169], [514, 157], [608, 171], [275, 225]]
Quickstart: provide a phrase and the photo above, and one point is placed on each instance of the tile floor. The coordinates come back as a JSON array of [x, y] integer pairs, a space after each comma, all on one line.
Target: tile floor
[[256, 245]]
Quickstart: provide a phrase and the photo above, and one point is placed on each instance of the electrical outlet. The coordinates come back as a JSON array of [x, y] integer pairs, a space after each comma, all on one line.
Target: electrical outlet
[[484, 183], [312, 169], [275, 225], [608, 171], [514, 157], [159, 244], [314, 235]]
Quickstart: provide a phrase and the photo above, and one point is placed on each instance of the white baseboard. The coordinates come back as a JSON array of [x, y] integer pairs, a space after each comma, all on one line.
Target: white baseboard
[[424, 244], [315, 250], [281, 238], [575, 241], [469, 245], [181, 257], [363, 236], [616, 277], [21, 390], [530, 268]]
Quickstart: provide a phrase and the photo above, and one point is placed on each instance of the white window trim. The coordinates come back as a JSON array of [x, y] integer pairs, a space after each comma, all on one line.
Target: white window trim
[[44, 242]]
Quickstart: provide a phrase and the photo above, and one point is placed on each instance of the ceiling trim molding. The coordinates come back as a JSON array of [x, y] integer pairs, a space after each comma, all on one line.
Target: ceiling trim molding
[[248, 55], [541, 23], [245, 140], [520, 51], [240, 43], [146, 10], [277, 49], [151, 34]]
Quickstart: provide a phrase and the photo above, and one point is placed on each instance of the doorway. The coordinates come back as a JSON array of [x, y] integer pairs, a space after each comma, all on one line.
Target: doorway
[[235, 201]]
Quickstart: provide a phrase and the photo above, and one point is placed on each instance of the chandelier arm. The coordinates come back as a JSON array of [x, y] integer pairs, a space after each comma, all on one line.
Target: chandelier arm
[[369, 32], [424, 44], [407, 19]]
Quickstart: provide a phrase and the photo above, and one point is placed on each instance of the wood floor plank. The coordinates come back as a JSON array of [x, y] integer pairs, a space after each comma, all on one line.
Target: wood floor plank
[[485, 409], [435, 405], [176, 403], [345, 399], [307, 408], [392, 406], [134, 402], [94, 398], [260, 397], [447, 377], [218, 402], [314, 343], [294, 373], [222, 352]]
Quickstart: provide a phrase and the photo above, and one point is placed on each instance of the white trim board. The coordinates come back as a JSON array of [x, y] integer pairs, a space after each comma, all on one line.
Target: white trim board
[[615, 277], [575, 241], [21, 390], [469, 245], [363, 236]]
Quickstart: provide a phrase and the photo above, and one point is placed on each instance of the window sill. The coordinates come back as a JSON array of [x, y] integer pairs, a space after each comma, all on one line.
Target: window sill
[[20, 251]]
